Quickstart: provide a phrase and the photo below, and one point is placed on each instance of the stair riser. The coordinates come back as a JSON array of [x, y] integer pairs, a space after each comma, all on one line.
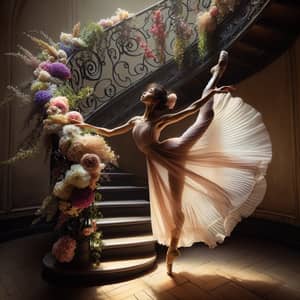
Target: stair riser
[[86, 277], [118, 180], [109, 231], [128, 252], [124, 195], [109, 212]]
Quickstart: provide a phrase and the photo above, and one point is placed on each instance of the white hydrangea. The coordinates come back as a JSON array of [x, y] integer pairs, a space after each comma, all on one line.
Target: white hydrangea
[[62, 190], [77, 176], [71, 130]]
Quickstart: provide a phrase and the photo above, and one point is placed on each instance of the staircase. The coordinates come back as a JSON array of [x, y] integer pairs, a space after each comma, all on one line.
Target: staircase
[[128, 244], [268, 35], [256, 34]]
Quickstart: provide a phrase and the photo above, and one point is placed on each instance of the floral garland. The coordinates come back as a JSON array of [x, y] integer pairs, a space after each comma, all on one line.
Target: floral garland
[[83, 155], [183, 33], [159, 34], [207, 21]]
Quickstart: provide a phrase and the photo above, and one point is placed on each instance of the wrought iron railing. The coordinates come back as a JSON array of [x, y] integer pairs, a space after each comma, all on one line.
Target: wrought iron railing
[[117, 62]]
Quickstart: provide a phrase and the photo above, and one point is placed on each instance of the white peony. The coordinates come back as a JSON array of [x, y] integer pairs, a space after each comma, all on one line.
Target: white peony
[[78, 177], [62, 190]]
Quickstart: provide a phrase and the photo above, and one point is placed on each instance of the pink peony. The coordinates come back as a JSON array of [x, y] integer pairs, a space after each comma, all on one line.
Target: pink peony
[[74, 116], [64, 249], [61, 103], [105, 23], [214, 11], [45, 65], [82, 198], [87, 231], [90, 162]]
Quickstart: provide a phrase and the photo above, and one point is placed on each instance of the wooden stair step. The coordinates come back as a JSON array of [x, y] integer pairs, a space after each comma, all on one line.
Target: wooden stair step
[[128, 241], [123, 203], [124, 192], [124, 226], [128, 247], [117, 178], [124, 208], [107, 271], [122, 221]]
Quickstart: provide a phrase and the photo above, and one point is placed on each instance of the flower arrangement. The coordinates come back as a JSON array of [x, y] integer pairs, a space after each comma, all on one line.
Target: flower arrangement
[[183, 33], [207, 21], [83, 154], [159, 34], [119, 16], [148, 52]]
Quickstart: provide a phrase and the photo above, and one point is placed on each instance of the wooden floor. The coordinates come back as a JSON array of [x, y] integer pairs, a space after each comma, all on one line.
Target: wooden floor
[[242, 268]]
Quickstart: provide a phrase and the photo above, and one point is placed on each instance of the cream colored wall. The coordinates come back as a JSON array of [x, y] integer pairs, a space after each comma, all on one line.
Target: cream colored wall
[[24, 184], [275, 93]]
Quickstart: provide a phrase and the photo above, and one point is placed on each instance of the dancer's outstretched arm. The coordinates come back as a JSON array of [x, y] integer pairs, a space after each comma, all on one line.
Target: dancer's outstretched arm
[[110, 132], [168, 119]]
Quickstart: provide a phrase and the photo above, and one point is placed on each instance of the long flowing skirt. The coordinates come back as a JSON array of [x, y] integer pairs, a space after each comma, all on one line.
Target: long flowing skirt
[[223, 175]]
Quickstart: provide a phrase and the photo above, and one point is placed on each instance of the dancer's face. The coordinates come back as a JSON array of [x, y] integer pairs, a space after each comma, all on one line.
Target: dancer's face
[[147, 96]]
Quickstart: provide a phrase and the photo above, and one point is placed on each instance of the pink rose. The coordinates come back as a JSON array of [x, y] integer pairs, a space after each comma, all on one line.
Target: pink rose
[[87, 231], [64, 249], [74, 116], [214, 11], [90, 162], [61, 103]]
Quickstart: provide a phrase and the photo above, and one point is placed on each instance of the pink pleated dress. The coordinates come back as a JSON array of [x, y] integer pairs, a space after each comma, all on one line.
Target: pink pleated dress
[[223, 172]]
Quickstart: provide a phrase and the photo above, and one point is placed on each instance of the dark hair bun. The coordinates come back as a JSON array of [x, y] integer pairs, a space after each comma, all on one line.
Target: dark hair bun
[[161, 94]]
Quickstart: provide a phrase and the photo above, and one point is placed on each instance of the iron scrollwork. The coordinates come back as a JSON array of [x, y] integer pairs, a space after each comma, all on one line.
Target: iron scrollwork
[[118, 62]]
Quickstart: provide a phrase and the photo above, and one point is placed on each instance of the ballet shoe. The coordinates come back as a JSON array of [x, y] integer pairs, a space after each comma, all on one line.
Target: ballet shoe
[[171, 255]]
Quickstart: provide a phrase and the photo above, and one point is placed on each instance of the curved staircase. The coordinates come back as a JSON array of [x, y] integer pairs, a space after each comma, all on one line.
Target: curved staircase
[[255, 35], [128, 244]]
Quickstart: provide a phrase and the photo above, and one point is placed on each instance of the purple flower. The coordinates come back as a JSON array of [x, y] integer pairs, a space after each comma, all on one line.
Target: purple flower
[[42, 97], [59, 70], [68, 49]]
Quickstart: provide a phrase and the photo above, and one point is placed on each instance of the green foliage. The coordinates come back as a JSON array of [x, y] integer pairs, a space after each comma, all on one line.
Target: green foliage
[[74, 98], [94, 211], [22, 154], [96, 246], [179, 47], [92, 34], [202, 44], [42, 56], [48, 209]]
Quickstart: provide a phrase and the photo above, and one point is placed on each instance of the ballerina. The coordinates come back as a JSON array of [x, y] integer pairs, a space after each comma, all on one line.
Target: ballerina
[[204, 181]]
